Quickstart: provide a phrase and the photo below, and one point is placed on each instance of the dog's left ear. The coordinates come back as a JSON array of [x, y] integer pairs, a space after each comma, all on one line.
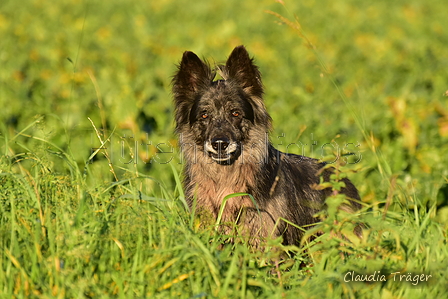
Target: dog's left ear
[[241, 69]]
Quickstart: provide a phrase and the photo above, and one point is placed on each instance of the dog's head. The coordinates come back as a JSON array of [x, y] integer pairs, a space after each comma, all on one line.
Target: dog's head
[[219, 115]]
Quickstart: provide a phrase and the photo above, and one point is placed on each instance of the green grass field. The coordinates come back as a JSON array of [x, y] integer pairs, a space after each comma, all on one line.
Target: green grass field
[[91, 204]]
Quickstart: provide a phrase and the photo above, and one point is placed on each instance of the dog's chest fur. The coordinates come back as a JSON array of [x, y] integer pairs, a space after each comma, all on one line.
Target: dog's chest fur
[[211, 184]]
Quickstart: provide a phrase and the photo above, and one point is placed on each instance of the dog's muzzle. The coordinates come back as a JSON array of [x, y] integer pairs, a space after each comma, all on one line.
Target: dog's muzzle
[[221, 150]]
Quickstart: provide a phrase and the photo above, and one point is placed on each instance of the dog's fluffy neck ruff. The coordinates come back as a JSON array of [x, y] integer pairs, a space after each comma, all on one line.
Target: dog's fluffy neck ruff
[[209, 182]]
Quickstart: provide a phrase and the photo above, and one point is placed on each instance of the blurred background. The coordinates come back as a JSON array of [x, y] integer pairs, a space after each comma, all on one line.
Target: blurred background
[[373, 75]]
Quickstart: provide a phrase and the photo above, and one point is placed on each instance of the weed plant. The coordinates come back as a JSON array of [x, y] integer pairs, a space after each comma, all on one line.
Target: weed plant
[[91, 201]]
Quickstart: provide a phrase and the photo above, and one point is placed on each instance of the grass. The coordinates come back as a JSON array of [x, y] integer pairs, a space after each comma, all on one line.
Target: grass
[[91, 204]]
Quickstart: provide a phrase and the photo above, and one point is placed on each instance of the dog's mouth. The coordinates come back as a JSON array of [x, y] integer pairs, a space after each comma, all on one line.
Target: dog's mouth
[[222, 151], [221, 158]]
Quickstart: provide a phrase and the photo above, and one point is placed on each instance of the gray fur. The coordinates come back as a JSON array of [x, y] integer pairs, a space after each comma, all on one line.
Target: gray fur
[[223, 128]]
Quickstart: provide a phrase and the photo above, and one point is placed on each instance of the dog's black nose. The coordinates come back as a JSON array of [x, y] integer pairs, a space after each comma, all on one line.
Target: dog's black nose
[[220, 143]]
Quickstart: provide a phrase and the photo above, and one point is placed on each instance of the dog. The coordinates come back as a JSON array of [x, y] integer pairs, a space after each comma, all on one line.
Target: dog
[[222, 126]]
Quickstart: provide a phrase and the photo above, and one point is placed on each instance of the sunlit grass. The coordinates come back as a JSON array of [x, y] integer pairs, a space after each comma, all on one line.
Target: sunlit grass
[[91, 204]]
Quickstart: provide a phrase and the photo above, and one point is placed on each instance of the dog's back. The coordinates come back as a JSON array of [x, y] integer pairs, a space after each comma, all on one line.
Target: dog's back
[[223, 129]]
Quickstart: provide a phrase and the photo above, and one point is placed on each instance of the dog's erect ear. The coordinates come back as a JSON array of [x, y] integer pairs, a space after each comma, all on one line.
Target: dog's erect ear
[[193, 75], [241, 69]]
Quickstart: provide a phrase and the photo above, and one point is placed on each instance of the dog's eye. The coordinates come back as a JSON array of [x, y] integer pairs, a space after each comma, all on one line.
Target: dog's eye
[[204, 115], [235, 113]]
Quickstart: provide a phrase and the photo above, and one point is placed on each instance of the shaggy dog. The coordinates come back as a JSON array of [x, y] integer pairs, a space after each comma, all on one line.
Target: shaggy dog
[[223, 127]]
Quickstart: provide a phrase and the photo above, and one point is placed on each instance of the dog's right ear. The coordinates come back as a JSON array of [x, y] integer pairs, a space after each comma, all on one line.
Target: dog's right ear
[[193, 75]]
